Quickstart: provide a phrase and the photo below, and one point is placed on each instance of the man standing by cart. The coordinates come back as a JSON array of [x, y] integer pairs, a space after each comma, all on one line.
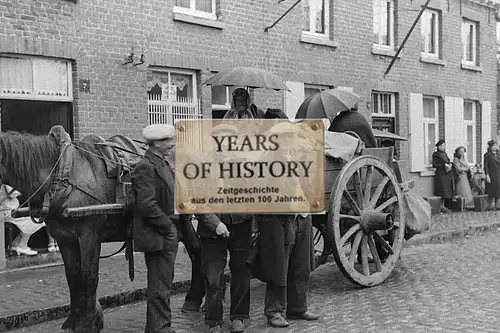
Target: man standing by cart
[[153, 183], [286, 256]]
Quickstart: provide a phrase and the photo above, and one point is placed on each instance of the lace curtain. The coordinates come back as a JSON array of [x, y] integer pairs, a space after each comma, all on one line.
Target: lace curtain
[[34, 77]]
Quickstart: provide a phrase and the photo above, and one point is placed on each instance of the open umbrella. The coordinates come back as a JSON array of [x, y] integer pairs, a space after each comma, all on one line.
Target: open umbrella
[[327, 104], [387, 135], [247, 77]]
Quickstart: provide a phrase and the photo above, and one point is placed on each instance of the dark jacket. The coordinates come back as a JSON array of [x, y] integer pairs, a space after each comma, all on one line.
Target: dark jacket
[[153, 185], [444, 184]]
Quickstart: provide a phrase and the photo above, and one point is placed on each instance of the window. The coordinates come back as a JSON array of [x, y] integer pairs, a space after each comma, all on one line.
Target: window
[[469, 42], [172, 95], [221, 100], [383, 23], [384, 111], [311, 89], [201, 8], [316, 17], [469, 117], [430, 123], [430, 33], [35, 78]]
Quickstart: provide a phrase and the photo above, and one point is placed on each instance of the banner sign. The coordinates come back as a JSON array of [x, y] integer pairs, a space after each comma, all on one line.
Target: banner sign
[[249, 166]]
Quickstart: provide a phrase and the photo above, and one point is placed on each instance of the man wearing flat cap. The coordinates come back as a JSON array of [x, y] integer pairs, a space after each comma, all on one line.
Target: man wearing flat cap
[[153, 183]]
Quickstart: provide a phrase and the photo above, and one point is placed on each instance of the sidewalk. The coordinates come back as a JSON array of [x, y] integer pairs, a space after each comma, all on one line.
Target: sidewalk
[[32, 296]]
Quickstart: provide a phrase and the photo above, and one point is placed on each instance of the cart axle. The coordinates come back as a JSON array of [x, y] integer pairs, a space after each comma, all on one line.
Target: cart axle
[[372, 220]]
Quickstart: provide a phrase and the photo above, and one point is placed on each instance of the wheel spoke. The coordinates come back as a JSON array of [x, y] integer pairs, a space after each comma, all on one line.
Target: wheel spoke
[[382, 242], [378, 191], [317, 237], [368, 185], [387, 203], [352, 203], [373, 250], [355, 247], [357, 187], [364, 255], [349, 233]]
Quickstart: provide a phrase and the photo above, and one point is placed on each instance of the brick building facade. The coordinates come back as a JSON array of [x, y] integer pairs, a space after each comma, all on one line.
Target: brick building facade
[[65, 63]]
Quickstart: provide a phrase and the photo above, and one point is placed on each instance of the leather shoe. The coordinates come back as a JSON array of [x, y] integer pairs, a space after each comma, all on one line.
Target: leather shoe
[[215, 329], [304, 316], [278, 321], [237, 326]]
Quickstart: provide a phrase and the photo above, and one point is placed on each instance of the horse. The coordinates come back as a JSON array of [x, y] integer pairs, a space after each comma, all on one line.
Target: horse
[[58, 174]]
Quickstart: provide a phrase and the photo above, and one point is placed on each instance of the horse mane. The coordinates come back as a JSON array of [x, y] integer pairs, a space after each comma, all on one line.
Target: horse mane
[[22, 155]]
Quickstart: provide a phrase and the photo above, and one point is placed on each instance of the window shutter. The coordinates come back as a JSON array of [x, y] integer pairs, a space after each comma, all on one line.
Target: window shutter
[[485, 124], [293, 98], [416, 133], [460, 132], [450, 124]]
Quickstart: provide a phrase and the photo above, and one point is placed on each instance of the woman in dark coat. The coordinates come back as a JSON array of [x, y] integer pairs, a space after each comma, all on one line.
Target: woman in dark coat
[[443, 180], [492, 171]]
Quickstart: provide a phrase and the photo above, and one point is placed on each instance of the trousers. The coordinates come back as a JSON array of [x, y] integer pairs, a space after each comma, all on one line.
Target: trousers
[[160, 265], [292, 298], [214, 257]]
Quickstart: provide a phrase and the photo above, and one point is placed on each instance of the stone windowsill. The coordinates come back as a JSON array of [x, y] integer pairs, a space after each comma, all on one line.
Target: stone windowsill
[[470, 67], [193, 19], [432, 60], [384, 51], [310, 39], [430, 172]]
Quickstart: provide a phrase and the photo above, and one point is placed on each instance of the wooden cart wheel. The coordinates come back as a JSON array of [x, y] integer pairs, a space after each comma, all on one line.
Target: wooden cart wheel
[[321, 239], [366, 216]]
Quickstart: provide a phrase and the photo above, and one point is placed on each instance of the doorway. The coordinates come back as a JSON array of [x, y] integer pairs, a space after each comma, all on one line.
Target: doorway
[[35, 117]]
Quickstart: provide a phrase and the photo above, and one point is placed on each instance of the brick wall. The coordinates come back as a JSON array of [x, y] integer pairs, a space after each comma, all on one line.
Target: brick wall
[[98, 34]]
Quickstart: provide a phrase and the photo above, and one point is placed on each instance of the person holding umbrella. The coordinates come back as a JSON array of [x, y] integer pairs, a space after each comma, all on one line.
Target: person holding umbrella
[[242, 106]]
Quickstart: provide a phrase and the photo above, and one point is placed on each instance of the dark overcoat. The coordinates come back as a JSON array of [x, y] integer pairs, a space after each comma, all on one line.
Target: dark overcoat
[[153, 185], [443, 180], [492, 169]]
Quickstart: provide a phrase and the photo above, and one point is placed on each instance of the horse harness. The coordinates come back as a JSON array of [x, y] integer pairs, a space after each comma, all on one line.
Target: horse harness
[[62, 185]]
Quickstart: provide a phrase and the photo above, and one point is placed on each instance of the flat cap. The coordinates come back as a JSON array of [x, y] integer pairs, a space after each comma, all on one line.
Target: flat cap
[[156, 132]]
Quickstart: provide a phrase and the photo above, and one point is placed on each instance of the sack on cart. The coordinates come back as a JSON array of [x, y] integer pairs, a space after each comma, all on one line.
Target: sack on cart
[[418, 214]]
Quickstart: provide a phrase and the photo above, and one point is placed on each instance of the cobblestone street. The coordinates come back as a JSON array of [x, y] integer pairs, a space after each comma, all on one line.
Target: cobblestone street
[[452, 287]]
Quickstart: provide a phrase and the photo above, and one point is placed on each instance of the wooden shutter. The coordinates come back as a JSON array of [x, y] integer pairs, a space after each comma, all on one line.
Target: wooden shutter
[[293, 98], [460, 133], [450, 124], [416, 133], [485, 124]]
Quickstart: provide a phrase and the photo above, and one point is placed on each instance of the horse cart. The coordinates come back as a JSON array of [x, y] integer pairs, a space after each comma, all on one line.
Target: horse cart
[[364, 224]]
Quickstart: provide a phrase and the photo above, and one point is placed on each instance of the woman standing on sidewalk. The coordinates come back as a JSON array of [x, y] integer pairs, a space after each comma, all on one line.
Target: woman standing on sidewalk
[[443, 180], [463, 174], [492, 171]]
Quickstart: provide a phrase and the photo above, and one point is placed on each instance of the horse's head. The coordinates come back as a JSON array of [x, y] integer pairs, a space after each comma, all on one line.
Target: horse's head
[[26, 161]]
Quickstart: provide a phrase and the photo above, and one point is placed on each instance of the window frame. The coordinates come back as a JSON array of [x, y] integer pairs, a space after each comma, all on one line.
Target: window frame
[[227, 105], [437, 33], [320, 87], [194, 12], [37, 96], [194, 104], [469, 23], [311, 32], [426, 121], [393, 104], [390, 20], [472, 123]]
